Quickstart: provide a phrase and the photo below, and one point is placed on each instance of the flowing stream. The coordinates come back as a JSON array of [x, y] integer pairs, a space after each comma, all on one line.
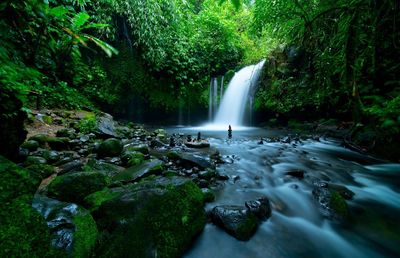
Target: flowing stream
[[297, 227]]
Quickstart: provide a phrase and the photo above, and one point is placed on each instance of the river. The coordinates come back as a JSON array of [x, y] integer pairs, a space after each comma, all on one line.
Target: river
[[297, 227]]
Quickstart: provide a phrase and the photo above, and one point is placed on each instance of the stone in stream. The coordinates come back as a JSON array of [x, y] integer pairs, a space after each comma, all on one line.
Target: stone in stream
[[157, 218], [261, 208], [238, 221], [72, 227], [297, 173], [333, 204], [187, 160], [110, 148]]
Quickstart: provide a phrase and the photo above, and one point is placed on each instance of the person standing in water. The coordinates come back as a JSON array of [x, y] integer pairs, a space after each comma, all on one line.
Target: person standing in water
[[229, 132]]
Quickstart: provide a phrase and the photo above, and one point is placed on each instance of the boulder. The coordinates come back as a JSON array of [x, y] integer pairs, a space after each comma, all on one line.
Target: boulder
[[132, 158], [332, 204], [66, 132], [261, 208], [187, 160], [153, 218], [135, 173], [31, 145], [105, 126], [237, 221], [108, 169], [42, 170], [72, 166], [34, 160], [74, 187], [72, 228], [110, 148]]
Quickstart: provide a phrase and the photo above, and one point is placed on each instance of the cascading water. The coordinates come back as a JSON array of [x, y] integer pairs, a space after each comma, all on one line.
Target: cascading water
[[232, 108]]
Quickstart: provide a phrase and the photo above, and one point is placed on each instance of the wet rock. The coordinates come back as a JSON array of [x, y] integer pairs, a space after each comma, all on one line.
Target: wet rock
[[261, 208], [202, 183], [132, 158], [138, 217], [237, 221], [209, 195], [42, 170], [66, 132], [74, 187], [160, 133], [135, 173], [23, 153], [58, 143], [286, 139], [187, 160], [105, 126], [222, 176], [63, 161], [108, 169], [72, 227], [296, 173], [51, 156], [332, 204], [143, 148], [31, 145], [110, 148], [207, 174], [40, 138], [75, 165], [155, 143], [32, 160]]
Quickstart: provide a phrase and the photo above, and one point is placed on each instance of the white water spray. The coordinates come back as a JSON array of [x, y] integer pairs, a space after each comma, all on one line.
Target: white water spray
[[232, 108]]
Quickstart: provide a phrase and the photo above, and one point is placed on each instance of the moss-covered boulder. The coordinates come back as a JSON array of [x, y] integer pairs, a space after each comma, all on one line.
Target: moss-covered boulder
[[104, 167], [40, 138], [238, 221], [333, 204], [72, 228], [34, 160], [42, 170], [74, 187], [143, 148], [135, 173], [66, 132], [31, 145], [153, 218], [132, 158], [110, 148], [23, 232]]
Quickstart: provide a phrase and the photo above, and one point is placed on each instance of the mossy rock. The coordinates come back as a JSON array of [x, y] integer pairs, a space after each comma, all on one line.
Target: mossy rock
[[35, 160], [15, 181], [338, 204], [132, 158], [51, 156], [58, 143], [159, 217], [23, 232], [66, 132], [238, 221], [31, 145], [110, 148], [143, 148], [209, 195], [42, 170], [74, 187], [104, 167], [40, 138]]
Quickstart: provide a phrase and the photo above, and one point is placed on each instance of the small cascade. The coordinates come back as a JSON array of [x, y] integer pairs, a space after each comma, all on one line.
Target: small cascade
[[233, 105], [221, 91], [213, 98]]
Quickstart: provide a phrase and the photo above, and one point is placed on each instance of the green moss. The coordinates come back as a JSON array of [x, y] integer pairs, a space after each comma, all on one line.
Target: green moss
[[94, 200], [133, 158], [15, 181], [247, 227], [85, 235], [164, 223], [42, 170], [75, 187], [30, 145], [173, 155], [88, 124], [338, 204]]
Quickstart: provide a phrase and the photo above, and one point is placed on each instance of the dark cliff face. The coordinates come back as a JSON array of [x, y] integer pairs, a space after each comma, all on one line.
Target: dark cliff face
[[12, 131]]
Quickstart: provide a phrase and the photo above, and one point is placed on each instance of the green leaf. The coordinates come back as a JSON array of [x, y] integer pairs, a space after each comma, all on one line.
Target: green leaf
[[80, 19], [95, 25], [108, 49], [58, 11]]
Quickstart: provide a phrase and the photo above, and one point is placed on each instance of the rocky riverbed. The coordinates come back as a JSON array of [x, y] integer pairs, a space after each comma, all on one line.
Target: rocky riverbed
[[112, 189]]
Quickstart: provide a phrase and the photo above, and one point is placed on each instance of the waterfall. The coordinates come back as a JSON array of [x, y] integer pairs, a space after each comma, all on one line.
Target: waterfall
[[210, 100], [221, 91], [232, 108], [215, 96]]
